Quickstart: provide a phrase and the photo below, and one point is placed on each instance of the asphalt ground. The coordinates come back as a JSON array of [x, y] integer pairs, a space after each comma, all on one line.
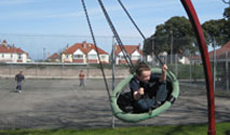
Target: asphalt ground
[[64, 104]]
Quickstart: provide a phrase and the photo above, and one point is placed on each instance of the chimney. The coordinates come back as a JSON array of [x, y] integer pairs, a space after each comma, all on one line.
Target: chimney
[[67, 46], [4, 43], [84, 44], [139, 46], [48, 54]]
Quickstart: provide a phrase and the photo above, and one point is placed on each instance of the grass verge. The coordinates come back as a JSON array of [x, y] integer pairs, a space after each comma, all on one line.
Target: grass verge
[[221, 129]]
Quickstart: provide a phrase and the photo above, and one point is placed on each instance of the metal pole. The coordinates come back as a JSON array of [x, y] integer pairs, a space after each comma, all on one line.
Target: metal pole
[[62, 69], [113, 73], [37, 68], [190, 67], [206, 64], [153, 47], [227, 71], [176, 60], [214, 65], [44, 51], [194, 71], [171, 47]]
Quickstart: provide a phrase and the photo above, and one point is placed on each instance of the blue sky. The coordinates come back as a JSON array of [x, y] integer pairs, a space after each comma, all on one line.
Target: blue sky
[[51, 24]]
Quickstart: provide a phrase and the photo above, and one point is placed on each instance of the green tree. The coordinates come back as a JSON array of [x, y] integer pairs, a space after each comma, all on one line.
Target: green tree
[[227, 13], [218, 29], [215, 29], [227, 25], [176, 29], [157, 42]]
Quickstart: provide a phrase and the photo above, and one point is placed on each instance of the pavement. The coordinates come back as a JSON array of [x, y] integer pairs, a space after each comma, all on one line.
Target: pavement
[[62, 103]]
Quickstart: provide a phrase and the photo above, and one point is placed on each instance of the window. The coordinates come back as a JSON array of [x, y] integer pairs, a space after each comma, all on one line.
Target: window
[[122, 57], [103, 57], [78, 56], [92, 56], [135, 57], [11, 55], [67, 56], [2, 55], [19, 56]]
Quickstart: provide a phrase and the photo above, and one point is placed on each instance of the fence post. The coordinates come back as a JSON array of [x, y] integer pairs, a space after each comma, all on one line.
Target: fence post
[[37, 69], [194, 71], [176, 60], [214, 66], [190, 69], [113, 74], [62, 70], [227, 71]]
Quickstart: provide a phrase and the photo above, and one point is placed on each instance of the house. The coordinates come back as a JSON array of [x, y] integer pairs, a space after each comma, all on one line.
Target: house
[[10, 53], [221, 53], [54, 58], [83, 53], [134, 52]]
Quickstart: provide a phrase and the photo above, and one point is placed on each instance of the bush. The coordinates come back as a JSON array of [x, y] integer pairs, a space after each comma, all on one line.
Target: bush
[[183, 71]]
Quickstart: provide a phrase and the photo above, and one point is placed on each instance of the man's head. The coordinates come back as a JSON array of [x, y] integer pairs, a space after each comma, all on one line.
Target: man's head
[[21, 72], [143, 72]]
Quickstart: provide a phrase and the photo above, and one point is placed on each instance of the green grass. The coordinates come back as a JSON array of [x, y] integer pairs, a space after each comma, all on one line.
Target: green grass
[[221, 128]]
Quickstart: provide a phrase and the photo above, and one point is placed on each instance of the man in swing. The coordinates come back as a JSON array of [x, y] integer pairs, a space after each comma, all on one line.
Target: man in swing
[[148, 95]]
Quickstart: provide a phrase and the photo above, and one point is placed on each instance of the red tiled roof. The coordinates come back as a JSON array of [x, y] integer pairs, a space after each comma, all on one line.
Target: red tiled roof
[[129, 49], [220, 53], [54, 56], [84, 47], [4, 48]]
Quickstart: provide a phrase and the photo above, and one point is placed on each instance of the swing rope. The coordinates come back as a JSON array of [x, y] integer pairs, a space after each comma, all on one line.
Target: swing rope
[[141, 33], [121, 45], [94, 41], [126, 56]]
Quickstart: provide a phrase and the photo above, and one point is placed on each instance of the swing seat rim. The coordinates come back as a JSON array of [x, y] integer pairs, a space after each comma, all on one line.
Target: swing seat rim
[[132, 117]]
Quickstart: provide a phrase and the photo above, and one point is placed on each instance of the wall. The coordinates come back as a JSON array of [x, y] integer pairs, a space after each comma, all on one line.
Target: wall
[[57, 71]]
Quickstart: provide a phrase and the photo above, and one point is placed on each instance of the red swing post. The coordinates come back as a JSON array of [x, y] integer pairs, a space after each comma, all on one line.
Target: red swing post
[[205, 59]]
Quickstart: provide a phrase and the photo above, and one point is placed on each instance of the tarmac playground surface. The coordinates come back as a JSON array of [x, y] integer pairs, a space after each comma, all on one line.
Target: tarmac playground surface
[[63, 103]]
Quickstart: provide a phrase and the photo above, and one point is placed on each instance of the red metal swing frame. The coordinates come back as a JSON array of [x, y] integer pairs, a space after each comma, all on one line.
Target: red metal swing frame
[[205, 59]]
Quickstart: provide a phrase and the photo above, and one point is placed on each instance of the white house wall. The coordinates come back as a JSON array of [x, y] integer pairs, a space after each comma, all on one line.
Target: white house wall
[[120, 54], [70, 57], [184, 60], [136, 54], [79, 52], [92, 52], [118, 57], [106, 57], [15, 57]]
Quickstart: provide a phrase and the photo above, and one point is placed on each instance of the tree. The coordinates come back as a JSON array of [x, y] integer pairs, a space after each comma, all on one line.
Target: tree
[[176, 29], [227, 25], [218, 29], [215, 29], [157, 42], [227, 13]]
